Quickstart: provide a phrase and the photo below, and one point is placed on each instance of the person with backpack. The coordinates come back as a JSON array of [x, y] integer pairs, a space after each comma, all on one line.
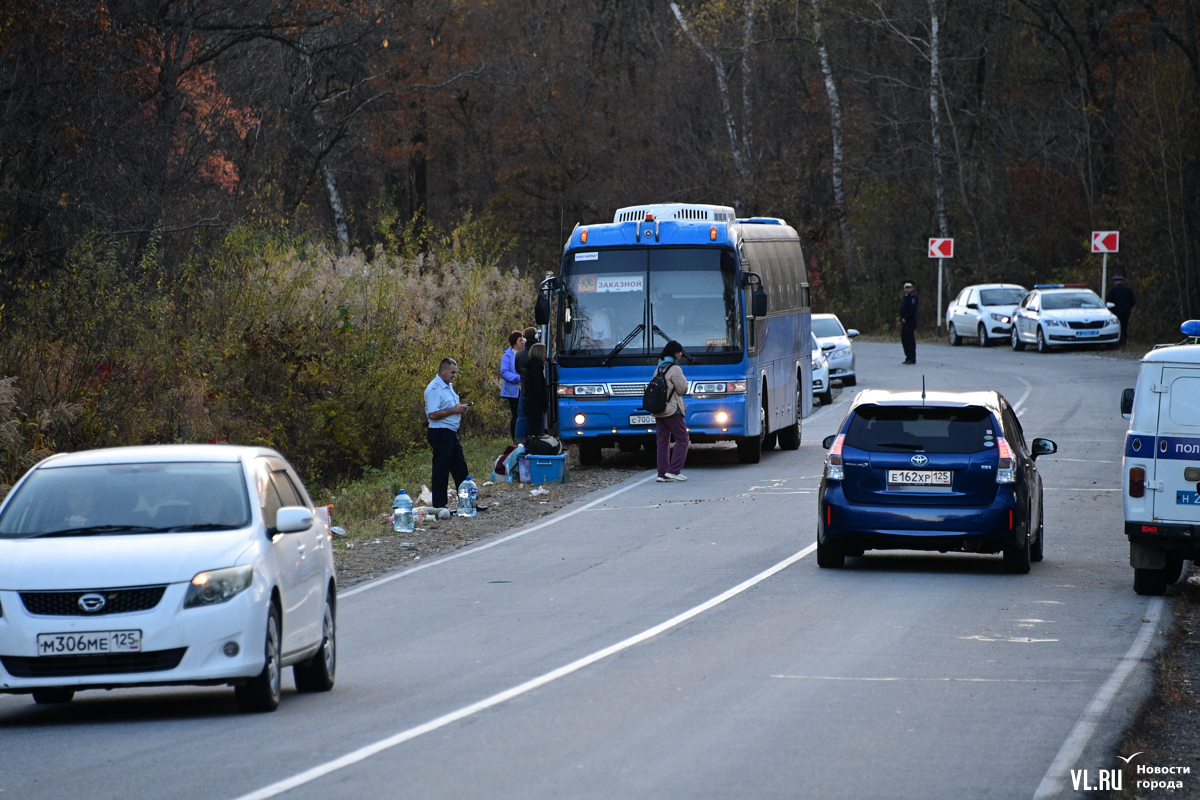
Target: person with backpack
[[664, 399]]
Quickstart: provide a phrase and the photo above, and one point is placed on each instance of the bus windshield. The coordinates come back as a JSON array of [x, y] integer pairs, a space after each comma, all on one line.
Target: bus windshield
[[651, 296]]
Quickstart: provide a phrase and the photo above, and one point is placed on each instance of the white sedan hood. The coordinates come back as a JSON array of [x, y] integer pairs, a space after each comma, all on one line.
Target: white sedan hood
[[110, 561]]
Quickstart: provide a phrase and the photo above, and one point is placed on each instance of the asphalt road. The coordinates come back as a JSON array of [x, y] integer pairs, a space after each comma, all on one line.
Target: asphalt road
[[904, 675]]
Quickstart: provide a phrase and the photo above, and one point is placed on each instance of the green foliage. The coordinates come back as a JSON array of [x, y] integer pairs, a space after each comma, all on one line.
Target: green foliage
[[273, 341]]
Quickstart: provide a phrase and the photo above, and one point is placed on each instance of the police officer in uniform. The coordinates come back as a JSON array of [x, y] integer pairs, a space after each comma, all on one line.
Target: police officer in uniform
[[1121, 296], [908, 323]]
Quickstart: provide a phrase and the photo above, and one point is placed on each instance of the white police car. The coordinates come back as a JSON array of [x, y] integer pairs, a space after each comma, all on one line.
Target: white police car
[[983, 311], [1063, 314], [1161, 468], [835, 343]]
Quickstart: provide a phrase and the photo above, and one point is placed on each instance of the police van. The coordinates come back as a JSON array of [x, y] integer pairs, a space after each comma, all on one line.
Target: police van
[[1161, 468]]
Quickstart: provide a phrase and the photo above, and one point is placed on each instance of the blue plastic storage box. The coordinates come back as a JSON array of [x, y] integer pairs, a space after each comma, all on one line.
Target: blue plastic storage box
[[545, 469]]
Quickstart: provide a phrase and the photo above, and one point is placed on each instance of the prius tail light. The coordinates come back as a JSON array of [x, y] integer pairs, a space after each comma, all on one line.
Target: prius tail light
[[834, 470], [1004, 469]]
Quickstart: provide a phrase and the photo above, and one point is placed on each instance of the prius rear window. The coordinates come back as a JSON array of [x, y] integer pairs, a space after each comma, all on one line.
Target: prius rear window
[[921, 429]]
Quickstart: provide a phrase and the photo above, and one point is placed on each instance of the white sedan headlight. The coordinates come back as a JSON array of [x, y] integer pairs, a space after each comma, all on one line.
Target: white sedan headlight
[[1002, 318], [842, 353], [218, 586], [1054, 323]]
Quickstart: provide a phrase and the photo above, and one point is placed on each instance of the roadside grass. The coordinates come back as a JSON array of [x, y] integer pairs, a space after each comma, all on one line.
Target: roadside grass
[[362, 506]]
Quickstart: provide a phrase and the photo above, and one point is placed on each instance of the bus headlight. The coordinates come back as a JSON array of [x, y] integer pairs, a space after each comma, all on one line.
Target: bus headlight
[[580, 419], [582, 390], [722, 417]]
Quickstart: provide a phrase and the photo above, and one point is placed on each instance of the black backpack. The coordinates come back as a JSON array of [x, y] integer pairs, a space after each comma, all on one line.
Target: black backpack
[[654, 399]]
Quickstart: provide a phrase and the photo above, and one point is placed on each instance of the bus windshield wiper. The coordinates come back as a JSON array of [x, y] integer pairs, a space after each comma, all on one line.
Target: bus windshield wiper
[[663, 334], [621, 345], [96, 530], [902, 445]]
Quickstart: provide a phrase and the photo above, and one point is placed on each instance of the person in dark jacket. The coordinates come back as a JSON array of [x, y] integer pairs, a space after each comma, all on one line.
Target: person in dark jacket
[[908, 323], [1121, 296], [530, 335], [534, 399]]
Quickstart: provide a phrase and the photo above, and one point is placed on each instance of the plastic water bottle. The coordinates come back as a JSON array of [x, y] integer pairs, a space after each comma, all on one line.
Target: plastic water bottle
[[402, 513], [468, 494]]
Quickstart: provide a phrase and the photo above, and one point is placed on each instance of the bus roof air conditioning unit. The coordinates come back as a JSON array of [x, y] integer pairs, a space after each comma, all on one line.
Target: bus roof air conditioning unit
[[682, 212]]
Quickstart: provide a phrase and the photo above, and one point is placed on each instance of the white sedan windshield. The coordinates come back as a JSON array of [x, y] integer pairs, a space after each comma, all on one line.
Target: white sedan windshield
[[1058, 302], [128, 498]]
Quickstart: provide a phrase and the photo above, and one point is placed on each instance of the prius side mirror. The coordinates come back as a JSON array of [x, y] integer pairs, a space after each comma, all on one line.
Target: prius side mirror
[[1127, 403], [1043, 447], [758, 302], [828, 441]]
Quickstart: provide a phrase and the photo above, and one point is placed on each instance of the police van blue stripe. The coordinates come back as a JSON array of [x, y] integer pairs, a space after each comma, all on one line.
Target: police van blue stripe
[[1178, 447], [1139, 445]]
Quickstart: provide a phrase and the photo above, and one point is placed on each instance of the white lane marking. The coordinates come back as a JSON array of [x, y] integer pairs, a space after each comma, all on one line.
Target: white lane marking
[[1053, 782], [470, 551], [1018, 639], [1085, 460], [278, 788], [1028, 388], [1073, 489], [923, 680]]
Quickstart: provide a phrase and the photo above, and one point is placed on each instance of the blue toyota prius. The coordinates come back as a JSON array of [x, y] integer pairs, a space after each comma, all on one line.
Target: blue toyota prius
[[932, 471]]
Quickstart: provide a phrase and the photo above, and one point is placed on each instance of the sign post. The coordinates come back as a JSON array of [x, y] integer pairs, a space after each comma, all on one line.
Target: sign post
[[941, 249], [1105, 242]]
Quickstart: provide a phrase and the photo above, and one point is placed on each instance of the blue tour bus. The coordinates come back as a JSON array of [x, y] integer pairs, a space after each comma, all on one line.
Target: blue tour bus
[[733, 292]]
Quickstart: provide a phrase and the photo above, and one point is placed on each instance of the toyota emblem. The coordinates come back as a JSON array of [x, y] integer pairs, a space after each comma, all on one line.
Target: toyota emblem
[[91, 603], [917, 461]]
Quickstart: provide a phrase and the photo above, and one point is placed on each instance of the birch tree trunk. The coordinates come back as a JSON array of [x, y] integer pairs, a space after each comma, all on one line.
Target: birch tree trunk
[[835, 117], [739, 157], [748, 83], [935, 81], [328, 174]]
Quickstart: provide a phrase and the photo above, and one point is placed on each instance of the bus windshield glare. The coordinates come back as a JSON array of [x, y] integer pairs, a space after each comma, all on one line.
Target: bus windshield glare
[[651, 296]]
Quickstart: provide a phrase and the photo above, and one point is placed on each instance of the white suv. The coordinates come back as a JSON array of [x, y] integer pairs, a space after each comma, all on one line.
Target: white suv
[[173, 564], [983, 312]]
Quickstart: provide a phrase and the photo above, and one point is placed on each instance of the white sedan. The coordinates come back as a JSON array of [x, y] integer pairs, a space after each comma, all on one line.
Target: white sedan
[[829, 331], [173, 564], [983, 312], [1058, 314], [821, 388]]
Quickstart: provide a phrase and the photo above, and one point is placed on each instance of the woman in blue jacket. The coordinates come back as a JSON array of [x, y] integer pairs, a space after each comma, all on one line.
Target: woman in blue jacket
[[511, 390]]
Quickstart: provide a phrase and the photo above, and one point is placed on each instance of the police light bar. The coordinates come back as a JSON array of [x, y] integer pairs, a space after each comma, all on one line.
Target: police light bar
[[1191, 327]]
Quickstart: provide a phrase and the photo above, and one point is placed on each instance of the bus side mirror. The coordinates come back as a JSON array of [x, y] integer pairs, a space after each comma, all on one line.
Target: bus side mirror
[[541, 310], [758, 303], [568, 321], [1127, 403]]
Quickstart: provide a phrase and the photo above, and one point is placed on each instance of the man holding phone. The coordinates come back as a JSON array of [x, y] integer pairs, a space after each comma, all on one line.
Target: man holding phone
[[444, 409]]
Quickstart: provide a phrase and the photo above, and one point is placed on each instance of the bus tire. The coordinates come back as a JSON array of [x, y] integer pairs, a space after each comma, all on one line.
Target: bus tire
[[590, 454], [789, 437], [749, 450]]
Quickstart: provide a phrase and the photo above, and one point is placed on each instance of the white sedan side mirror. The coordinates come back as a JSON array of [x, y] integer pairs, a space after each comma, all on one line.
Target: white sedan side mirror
[[290, 519], [852, 333]]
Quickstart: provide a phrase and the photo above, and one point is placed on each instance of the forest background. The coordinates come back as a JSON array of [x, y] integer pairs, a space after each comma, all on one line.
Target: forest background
[[266, 221]]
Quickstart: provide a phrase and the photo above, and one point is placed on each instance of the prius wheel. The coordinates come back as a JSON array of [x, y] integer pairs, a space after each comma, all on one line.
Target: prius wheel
[[829, 557], [53, 696], [952, 335], [318, 674], [1042, 345], [1015, 340], [984, 341], [1037, 549], [1149, 581], [262, 692], [1017, 557]]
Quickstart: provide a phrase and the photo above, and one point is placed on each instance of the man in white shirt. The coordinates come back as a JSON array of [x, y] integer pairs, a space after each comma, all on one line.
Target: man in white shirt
[[444, 411]]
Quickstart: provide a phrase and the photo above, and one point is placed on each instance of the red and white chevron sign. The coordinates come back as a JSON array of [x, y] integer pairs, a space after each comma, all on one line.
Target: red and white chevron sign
[[941, 248], [1105, 241]]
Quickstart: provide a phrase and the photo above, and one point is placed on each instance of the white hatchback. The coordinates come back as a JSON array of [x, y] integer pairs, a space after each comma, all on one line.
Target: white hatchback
[[165, 565], [983, 312]]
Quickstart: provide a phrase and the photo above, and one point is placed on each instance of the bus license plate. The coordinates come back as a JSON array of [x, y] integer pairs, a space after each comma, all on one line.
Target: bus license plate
[[1085, 334], [640, 420], [90, 643], [919, 477], [1187, 498]]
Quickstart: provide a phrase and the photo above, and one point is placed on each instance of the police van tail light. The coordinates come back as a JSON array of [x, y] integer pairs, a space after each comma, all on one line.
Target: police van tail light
[[834, 470], [1137, 482], [1004, 469]]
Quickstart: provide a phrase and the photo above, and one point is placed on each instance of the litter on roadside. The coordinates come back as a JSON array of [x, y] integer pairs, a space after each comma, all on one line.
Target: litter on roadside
[[538, 492]]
